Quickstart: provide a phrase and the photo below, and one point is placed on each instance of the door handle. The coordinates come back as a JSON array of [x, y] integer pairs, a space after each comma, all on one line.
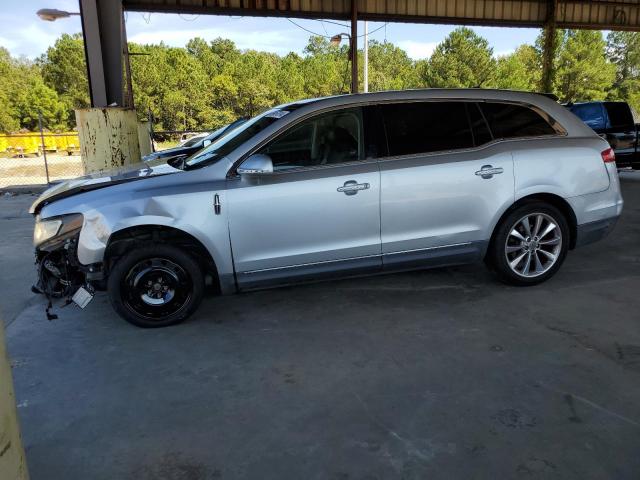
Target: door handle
[[488, 171], [351, 187]]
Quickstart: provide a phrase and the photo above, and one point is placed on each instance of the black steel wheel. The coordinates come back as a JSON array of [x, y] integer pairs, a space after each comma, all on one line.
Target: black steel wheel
[[155, 286]]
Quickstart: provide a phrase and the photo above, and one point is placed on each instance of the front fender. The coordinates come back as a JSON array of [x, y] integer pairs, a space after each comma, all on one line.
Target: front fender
[[191, 215]]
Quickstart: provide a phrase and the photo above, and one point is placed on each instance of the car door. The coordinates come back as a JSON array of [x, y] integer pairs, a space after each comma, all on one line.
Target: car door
[[441, 184], [317, 214]]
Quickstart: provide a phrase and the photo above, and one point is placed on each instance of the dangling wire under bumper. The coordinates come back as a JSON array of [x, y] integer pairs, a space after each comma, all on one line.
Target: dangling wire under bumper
[[59, 275]]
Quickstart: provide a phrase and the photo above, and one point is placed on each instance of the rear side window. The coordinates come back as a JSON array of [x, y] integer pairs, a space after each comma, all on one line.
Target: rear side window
[[591, 114], [619, 114], [420, 127], [507, 120]]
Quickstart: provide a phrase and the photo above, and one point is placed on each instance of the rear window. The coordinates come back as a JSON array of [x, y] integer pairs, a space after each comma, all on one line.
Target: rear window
[[619, 114], [591, 114], [507, 120], [420, 127]]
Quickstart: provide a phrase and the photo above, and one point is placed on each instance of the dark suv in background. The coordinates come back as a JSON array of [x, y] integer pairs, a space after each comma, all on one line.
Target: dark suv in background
[[613, 121]]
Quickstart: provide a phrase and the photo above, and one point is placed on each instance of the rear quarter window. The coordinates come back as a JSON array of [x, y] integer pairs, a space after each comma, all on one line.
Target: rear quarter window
[[508, 120]]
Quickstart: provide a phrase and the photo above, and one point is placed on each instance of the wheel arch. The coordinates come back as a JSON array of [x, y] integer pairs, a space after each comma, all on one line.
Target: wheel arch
[[552, 199], [122, 240]]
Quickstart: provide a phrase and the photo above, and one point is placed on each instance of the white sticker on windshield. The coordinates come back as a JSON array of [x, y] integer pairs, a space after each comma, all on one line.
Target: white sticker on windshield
[[277, 113]]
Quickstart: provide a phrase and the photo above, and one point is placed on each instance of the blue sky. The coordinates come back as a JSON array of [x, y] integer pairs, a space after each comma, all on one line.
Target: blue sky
[[23, 33]]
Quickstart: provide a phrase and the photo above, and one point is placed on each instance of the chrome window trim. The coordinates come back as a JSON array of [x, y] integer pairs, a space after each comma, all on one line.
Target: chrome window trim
[[562, 132], [492, 143]]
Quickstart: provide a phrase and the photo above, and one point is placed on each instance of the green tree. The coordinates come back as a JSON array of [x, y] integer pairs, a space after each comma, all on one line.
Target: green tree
[[582, 69], [463, 59], [390, 68], [37, 98], [623, 50], [8, 115], [518, 70], [64, 70], [23, 94], [325, 68]]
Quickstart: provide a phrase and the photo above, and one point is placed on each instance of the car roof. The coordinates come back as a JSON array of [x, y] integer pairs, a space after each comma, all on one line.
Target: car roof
[[545, 102], [458, 93]]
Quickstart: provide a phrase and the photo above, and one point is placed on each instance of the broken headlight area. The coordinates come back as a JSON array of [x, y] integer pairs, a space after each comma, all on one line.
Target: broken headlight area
[[60, 276]]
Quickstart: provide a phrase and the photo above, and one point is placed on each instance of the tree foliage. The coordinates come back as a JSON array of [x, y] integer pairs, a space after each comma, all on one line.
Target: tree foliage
[[583, 71], [463, 59], [209, 83], [623, 49], [518, 71], [24, 94]]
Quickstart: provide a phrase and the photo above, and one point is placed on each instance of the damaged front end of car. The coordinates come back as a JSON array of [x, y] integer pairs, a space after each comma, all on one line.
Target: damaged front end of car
[[59, 273]]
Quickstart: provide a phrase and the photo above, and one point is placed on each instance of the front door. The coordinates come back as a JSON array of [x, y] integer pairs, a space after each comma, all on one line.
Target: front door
[[317, 214]]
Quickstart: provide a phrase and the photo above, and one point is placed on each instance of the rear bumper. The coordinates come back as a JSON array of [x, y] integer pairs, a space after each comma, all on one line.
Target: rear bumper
[[593, 231]]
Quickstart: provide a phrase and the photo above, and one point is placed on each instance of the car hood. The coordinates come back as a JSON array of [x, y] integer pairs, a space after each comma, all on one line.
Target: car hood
[[139, 171]]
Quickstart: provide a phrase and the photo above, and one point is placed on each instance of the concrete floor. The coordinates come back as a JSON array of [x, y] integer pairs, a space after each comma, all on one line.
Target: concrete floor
[[436, 374]]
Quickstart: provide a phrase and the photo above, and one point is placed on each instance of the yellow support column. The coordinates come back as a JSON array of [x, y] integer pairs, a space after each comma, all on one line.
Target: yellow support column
[[12, 462], [144, 138], [108, 138]]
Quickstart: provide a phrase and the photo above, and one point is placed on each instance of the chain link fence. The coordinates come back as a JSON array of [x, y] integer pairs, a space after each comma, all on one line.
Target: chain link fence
[[37, 159], [42, 158]]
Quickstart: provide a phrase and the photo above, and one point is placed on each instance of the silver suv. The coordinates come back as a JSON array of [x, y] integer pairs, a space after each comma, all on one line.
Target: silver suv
[[331, 187]]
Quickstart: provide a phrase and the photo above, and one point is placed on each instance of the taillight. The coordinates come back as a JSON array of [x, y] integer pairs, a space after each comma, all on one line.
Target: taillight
[[608, 156]]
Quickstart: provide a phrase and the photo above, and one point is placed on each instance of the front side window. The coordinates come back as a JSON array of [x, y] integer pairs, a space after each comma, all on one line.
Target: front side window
[[508, 120], [421, 127], [329, 138]]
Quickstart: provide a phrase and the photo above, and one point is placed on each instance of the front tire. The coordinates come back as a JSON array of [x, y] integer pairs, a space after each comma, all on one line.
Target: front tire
[[529, 244], [155, 286]]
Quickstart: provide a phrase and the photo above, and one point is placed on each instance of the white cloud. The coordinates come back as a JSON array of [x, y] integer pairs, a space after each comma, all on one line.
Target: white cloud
[[31, 39], [272, 41], [8, 44], [504, 53], [417, 50]]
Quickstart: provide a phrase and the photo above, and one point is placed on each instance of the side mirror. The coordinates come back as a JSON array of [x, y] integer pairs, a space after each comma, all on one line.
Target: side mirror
[[255, 165], [206, 143]]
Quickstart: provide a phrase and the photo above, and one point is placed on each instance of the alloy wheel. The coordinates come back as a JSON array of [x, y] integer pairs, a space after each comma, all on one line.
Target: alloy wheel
[[533, 245]]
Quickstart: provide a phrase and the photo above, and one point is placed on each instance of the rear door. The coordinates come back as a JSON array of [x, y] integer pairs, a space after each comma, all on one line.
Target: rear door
[[441, 184]]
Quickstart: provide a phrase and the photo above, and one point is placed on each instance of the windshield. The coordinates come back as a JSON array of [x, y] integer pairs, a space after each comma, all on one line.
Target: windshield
[[233, 139]]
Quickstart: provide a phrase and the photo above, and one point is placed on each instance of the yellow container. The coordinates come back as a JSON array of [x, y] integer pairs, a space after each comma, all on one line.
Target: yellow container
[[68, 142], [24, 144]]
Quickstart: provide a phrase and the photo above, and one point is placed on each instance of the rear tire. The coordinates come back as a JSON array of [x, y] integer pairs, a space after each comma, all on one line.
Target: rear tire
[[155, 285], [529, 245]]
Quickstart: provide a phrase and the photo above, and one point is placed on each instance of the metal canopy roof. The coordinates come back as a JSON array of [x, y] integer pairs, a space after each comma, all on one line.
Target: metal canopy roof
[[594, 14]]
